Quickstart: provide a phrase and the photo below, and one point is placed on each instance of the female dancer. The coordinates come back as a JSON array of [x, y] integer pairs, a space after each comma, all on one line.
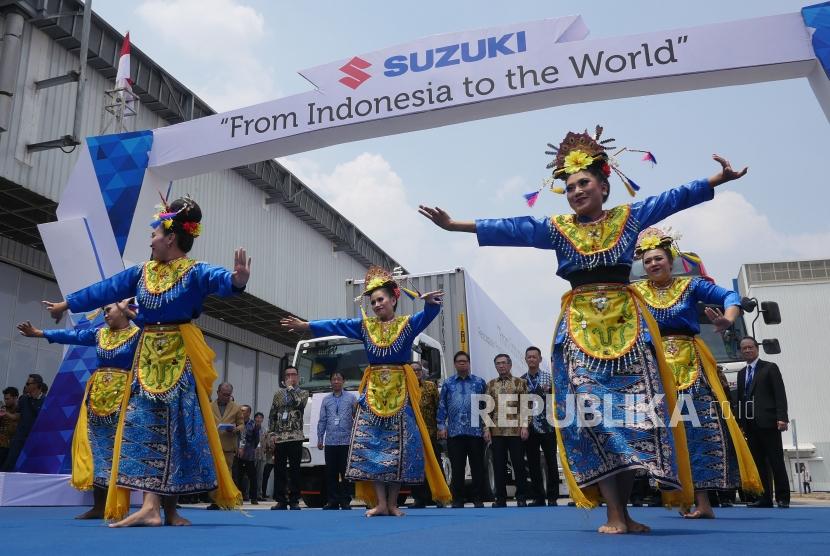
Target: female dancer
[[166, 443], [718, 452], [606, 346], [105, 391], [390, 442]]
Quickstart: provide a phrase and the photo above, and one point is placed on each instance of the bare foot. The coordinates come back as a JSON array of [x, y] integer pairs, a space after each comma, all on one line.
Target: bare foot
[[376, 511], [636, 526], [175, 520], [142, 518], [614, 528], [93, 513], [698, 514], [396, 512]]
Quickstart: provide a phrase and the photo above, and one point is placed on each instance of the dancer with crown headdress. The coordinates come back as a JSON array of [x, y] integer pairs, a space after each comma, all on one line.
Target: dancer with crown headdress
[[390, 442], [165, 442], [104, 394], [719, 455], [607, 356]]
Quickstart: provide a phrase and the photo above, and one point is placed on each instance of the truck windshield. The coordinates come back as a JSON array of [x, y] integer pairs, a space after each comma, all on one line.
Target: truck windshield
[[724, 347], [316, 360]]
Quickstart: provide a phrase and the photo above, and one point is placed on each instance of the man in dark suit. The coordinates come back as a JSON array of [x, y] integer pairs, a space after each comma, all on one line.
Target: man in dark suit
[[762, 412]]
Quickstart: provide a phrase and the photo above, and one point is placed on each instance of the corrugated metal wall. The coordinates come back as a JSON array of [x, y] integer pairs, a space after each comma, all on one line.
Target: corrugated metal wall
[[805, 322], [48, 114], [295, 267]]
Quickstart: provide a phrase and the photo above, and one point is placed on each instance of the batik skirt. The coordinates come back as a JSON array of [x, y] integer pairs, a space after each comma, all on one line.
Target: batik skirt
[[165, 448], [609, 395], [108, 386], [386, 449], [711, 451]]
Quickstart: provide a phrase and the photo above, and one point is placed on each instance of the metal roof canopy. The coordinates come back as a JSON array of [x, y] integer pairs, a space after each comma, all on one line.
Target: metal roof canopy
[[164, 95], [21, 210]]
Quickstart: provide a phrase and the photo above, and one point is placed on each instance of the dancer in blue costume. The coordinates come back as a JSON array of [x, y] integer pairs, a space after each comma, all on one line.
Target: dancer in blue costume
[[719, 455], [166, 443], [105, 391], [390, 443], [606, 345]]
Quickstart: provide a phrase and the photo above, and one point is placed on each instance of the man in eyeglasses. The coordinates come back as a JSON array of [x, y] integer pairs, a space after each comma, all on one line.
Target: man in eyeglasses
[[285, 422], [28, 406]]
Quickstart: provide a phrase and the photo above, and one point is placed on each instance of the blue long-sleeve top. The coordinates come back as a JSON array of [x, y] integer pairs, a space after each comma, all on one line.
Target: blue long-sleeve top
[[398, 347], [624, 223], [681, 316], [334, 426], [455, 405], [180, 302], [117, 354]]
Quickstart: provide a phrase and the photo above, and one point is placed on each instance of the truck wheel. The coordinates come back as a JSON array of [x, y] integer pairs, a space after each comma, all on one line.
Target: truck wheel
[[313, 489], [489, 468]]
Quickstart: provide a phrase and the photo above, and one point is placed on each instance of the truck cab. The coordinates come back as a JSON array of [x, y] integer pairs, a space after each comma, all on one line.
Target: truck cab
[[315, 359]]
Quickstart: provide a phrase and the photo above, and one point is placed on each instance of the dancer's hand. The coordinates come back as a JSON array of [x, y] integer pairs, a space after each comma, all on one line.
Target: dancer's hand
[[29, 331], [440, 218], [241, 268], [293, 324], [727, 173], [56, 309], [124, 307], [433, 298], [717, 318]]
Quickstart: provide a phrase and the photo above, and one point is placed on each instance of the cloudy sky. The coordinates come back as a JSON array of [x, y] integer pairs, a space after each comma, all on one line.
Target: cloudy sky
[[234, 53]]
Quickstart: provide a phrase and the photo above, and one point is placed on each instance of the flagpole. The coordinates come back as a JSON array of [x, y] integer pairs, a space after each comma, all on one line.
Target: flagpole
[[79, 99]]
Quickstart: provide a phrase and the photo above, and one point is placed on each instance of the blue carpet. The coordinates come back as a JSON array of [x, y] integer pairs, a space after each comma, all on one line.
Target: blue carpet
[[804, 530]]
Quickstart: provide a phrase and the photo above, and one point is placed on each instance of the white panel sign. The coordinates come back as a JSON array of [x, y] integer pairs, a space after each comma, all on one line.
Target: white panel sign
[[459, 77]]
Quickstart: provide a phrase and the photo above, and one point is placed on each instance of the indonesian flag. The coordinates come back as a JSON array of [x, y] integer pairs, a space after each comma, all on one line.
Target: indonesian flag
[[122, 80]]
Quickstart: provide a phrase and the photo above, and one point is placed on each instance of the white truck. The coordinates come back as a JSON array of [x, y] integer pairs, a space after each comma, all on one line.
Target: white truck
[[469, 321]]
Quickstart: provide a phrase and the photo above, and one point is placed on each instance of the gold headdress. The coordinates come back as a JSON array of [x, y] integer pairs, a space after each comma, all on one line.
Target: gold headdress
[[377, 277], [580, 151], [655, 238]]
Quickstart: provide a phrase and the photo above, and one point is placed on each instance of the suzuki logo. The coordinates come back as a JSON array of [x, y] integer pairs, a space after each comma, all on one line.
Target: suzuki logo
[[355, 76]]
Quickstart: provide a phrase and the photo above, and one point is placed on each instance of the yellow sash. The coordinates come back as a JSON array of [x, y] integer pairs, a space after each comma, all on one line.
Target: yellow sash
[[226, 496], [365, 491], [750, 480], [682, 357], [103, 402], [83, 467], [589, 496]]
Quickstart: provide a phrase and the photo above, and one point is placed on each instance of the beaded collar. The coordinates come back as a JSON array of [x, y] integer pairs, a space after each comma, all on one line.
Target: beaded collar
[[593, 244], [162, 281]]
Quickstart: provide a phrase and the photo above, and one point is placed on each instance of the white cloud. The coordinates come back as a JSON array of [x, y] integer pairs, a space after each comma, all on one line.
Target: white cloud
[[369, 193], [223, 41], [729, 231]]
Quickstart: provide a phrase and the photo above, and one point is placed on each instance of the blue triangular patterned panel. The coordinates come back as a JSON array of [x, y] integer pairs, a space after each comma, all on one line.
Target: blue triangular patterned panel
[[120, 161], [51, 437]]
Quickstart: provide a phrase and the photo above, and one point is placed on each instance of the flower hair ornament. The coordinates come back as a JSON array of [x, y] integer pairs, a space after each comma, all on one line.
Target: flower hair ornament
[[656, 238], [378, 277], [164, 216], [578, 152]]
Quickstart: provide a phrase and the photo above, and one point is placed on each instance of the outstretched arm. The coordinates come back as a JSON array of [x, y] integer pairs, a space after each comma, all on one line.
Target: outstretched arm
[[727, 173], [440, 218], [29, 330]]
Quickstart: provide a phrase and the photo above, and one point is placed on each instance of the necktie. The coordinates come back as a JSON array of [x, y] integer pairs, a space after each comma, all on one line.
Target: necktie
[[750, 371]]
